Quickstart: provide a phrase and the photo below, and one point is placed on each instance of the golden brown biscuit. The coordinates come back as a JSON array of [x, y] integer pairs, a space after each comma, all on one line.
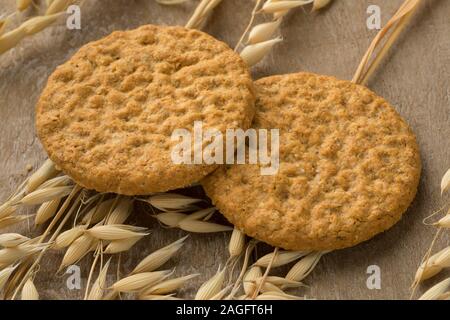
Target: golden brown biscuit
[[106, 116], [349, 166]]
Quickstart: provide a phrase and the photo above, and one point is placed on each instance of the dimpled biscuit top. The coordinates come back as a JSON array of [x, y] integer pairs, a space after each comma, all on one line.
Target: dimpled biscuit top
[[349, 166], [107, 115]]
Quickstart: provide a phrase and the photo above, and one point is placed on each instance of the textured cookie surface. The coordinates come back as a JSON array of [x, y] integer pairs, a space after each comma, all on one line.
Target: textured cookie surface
[[349, 166], [106, 116]]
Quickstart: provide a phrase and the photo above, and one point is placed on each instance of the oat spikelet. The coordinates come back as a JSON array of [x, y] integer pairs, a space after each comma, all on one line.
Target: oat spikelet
[[11, 39], [9, 240], [443, 259], [282, 282], [121, 245], [8, 221], [254, 53], [99, 212], [167, 286], [211, 287], [280, 6], [202, 226], [22, 5], [221, 294], [44, 173], [121, 212], [200, 214], [66, 238], [99, 286], [445, 221], [29, 291], [445, 183], [156, 259], [58, 181], [282, 258], [10, 255], [5, 274], [37, 24], [46, 211], [431, 267], [137, 282], [7, 209], [263, 32], [237, 243], [171, 219], [77, 250], [171, 201], [249, 280], [304, 267], [112, 295], [32, 26], [43, 195], [320, 4], [57, 6], [116, 232], [444, 296], [436, 291], [259, 38], [267, 286]]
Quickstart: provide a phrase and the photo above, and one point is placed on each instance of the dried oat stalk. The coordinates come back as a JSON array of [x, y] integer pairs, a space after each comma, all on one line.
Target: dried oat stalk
[[433, 264], [54, 10], [211, 287], [99, 287], [196, 222], [146, 281], [445, 183], [260, 38], [377, 49], [29, 291], [435, 292], [201, 13]]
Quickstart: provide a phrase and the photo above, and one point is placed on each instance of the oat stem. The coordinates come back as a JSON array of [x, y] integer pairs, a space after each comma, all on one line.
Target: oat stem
[[266, 273], [248, 251], [388, 44], [91, 271], [76, 189], [201, 12], [425, 261], [250, 23], [397, 22]]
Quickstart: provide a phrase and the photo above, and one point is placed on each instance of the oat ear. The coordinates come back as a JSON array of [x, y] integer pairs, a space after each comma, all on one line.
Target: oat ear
[[445, 183]]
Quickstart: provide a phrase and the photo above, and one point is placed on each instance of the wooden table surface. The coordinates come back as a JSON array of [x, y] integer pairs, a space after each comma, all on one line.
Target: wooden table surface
[[414, 78]]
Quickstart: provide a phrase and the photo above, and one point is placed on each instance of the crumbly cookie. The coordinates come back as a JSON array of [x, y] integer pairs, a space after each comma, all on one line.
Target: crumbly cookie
[[349, 166], [107, 115]]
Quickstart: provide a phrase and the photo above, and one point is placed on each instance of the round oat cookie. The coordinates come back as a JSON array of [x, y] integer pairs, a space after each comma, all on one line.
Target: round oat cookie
[[349, 166], [107, 115]]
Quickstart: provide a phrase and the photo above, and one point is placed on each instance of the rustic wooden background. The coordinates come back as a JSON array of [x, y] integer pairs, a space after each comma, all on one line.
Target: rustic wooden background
[[414, 77]]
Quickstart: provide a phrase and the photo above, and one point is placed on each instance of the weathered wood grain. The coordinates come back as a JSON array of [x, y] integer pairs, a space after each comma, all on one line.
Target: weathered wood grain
[[414, 78]]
